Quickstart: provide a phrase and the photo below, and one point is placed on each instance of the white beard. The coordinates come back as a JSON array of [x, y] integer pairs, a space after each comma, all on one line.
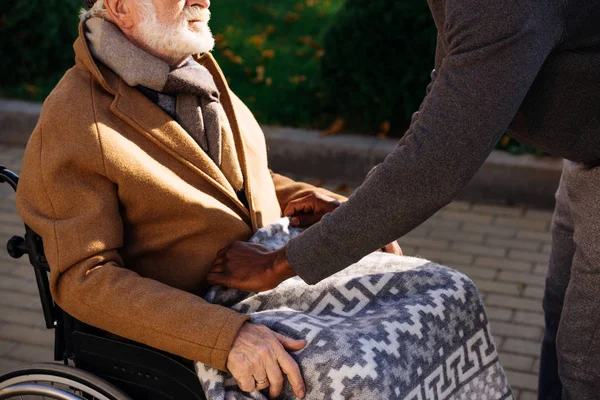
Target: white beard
[[179, 40]]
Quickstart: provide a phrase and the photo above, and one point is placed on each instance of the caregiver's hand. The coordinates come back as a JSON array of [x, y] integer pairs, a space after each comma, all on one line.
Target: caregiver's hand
[[258, 357], [309, 210], [250, 267]]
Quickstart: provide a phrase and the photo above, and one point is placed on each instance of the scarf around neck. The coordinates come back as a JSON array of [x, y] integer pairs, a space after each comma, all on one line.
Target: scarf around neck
[[197, 106]]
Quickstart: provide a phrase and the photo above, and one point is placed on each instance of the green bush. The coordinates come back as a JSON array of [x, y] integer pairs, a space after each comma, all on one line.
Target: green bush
[[377, 62], [36, 45]]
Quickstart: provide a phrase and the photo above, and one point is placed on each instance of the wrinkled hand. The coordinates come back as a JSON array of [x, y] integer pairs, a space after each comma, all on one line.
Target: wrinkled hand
[[250, 267], [310, 209], [259, 354]]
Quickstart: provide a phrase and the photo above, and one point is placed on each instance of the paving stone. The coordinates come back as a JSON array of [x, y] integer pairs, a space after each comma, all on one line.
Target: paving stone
[[534, 235], [6, 346], [528, 256], [467, 217], [516, 362], [527, 395], [516, 330], [488, 286], [17, 284], [521, 346], [535, 292], [438, 223], [529, 279], [444, 257], [459, 236], [536, 366], [473, 272], [478, 249], [498, 314], [514, 302], [498, 341], [458, 205], [498, 210], [530, 318], [7, 365], [539, 214], [19, 300], [22, 334], [425, 242], [22, 317], [28, 353], [514, 244], [533, 225], [522, 380], [419, 231], [492, 230], [547, 248], [408, 250], [502, 263], [540, 269]]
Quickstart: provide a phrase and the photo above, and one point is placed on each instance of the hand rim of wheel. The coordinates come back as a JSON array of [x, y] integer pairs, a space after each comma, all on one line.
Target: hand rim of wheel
[[48, 378]]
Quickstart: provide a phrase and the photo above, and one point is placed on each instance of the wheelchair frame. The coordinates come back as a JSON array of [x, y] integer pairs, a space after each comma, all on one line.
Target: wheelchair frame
[[140, 371]]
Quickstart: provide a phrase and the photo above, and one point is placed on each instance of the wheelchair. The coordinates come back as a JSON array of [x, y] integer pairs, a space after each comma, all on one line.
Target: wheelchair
[[94, 365]]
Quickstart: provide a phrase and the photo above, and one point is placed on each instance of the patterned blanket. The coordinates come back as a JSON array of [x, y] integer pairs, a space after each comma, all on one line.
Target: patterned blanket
[[387, 327]]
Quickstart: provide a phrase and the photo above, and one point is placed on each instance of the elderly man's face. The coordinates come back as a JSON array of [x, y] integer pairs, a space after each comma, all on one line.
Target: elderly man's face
[[172, 29]]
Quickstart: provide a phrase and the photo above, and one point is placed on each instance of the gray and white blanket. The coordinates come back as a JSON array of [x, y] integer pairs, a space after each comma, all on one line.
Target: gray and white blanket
[[387, 327]]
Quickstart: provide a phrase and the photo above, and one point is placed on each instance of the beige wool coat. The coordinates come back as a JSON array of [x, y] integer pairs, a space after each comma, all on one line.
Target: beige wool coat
[[132, 212]]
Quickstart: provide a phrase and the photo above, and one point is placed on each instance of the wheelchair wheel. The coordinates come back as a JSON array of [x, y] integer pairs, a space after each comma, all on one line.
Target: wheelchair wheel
[[58, 382]]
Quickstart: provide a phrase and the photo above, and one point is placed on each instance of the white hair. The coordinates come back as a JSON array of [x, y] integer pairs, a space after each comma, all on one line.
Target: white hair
[[97, 10]]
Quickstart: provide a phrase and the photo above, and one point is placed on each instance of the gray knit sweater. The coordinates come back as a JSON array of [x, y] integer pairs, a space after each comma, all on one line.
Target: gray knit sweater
[[529, 66]]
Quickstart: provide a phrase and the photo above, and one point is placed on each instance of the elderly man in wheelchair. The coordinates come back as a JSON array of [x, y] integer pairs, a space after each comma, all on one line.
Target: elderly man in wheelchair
[[142, 167]]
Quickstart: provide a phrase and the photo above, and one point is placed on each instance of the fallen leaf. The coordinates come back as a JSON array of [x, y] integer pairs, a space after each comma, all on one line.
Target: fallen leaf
[[297, 79], [320, 53], [268, 81], [268, 53], [384, 129], [336, 127], [257, 40], [291, 17], [505, 141], [260, 74]]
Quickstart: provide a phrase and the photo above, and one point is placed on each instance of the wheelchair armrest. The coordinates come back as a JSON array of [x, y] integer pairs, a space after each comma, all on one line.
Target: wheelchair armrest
[[141, 372]]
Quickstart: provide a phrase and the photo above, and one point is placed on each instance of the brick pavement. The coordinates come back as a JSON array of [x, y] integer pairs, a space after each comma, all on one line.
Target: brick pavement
[[503, 249]]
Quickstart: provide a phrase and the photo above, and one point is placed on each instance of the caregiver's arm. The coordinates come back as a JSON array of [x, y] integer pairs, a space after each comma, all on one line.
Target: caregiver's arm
[[494, 51]]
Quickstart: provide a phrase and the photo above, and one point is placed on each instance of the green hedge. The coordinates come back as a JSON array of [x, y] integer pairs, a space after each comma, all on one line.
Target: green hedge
[[377, 62], [36, 45], [300, 63]]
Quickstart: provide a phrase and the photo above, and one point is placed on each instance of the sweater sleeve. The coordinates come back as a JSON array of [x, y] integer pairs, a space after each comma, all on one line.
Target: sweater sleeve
[[495, 49], [65, 195]]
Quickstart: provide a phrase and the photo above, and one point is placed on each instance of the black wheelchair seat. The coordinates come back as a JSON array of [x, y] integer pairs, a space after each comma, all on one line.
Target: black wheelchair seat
[[143, 373]]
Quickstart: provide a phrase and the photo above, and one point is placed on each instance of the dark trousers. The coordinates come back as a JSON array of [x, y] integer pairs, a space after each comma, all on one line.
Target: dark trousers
[[570, 359]]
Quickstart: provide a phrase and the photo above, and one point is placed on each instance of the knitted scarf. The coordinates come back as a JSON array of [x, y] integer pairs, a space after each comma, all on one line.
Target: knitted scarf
[[197, 106]]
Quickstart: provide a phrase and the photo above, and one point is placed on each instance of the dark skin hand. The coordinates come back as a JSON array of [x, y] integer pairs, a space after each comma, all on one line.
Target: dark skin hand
[[253, 268]]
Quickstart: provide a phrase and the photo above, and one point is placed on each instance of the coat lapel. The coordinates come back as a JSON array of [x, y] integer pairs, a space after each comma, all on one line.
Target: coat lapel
[[138, 111], [209, 62]]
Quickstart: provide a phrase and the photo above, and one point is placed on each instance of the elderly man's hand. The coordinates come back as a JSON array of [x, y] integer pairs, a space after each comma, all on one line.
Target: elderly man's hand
[[250, 267], [309, 210], [258, 357]]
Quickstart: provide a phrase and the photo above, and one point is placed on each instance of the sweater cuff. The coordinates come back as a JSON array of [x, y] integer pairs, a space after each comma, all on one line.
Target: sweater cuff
[[309, 255]]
